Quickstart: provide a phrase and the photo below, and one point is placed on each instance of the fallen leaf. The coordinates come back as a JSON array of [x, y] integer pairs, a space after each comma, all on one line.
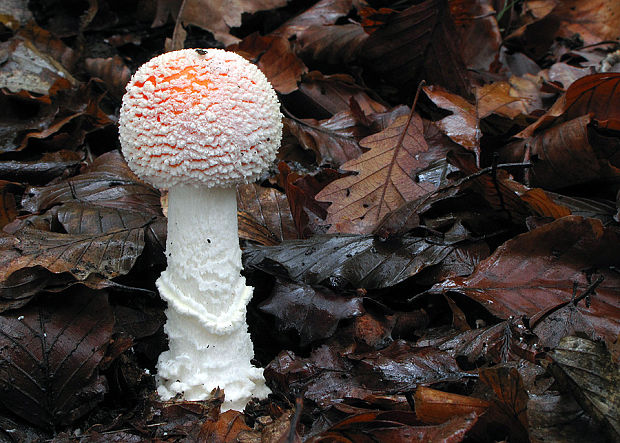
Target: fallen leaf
[[586, 369], [270, 209], [219, 17], [512, 396], [334, 141], [594, 20], [421, 36], [332, 44], [462, 125], [50, 353], [558, 417], [562, 156], [112, 70], [433, 406], [542, 268], [397, 427], [323, 12], [387, 178], [349, 261], [479, 37], [332, 94], [313, 313], [596, 95]]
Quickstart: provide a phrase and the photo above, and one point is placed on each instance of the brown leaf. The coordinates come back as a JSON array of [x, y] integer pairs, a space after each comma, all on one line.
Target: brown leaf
[[563, 156], [300, 192], [313, 313], [270, 209], [334, 141], [350, 261], [112, 70], [420, 36], [396, 427], [555, 416], [462, 125], [587, 370], [50, 354], [225, 429], [275, 58], [499, 98], [495, 344], [108, 182], [324, 12], [433, 406], [386, 180], [508, 386], [341, 44], [594, 20], [537, 270], [27, 68], [8, 207], [219, 17], [332, 94], [597, 95], [478, 33]]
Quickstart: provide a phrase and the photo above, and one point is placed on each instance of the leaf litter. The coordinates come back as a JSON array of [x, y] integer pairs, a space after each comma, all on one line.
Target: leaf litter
[[440, 269]]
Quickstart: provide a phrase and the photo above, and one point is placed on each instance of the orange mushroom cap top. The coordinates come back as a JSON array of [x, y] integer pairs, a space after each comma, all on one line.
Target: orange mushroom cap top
[[199, 116]]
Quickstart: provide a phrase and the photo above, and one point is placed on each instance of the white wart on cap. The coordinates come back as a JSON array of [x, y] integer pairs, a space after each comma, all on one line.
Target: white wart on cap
[[199, 117]]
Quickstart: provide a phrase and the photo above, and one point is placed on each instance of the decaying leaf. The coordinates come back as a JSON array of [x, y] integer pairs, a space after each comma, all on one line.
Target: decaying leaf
[[543, 268], [50, 353], [270, 210], [313, 313], [350, 260], [387, 178], [219, 17], [586, 369]]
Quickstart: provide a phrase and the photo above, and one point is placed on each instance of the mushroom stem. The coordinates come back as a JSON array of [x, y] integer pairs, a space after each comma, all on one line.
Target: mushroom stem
[[210, 346]]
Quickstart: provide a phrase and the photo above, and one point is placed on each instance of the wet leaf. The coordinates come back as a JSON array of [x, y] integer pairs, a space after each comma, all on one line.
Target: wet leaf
[[387, 178], [597, 95], [433, 406], [331, 94], [349, 261], [313, 313], [335, 141], [218, 18], [270, 209], [50, 353], [112, 70], [276, 60], [420, 36], [462, 125], [558, 417], [512, 396], [324, 12], [586, 369], [542, 268], [397, 427], [332, 44]]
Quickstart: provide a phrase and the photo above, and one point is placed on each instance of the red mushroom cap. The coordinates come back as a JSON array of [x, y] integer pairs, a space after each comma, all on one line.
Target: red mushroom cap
[[199, 116]]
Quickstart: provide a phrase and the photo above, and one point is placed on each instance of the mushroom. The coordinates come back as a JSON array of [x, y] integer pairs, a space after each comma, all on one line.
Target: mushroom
[[198, 122]]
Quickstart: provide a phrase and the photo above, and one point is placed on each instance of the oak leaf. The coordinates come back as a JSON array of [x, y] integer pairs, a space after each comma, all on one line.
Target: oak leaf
[[386, 180]]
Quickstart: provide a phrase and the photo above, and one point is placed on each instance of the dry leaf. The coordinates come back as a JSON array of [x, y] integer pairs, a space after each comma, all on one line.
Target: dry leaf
[[386, 180]]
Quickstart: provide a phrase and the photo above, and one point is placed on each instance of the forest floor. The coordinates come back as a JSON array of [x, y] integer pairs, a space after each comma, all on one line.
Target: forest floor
[[435, 252]]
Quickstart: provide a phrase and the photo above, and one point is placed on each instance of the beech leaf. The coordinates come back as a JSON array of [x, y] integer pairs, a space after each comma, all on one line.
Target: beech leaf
[[50, 352], [586, 369], [313, 313], [349, 260], [543, 268], [386, 180]]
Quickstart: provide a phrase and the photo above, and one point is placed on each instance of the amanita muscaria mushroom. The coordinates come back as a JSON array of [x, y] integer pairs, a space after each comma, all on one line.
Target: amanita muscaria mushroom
[[198, 122]]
